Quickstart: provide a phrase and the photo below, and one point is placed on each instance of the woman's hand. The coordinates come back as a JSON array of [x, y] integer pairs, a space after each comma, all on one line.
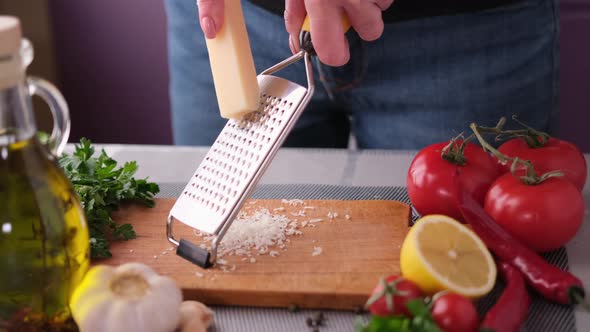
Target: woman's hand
[[327, 33]]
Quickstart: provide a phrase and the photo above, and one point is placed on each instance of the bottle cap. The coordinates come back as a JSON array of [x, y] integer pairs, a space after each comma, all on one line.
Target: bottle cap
[[10, 35]]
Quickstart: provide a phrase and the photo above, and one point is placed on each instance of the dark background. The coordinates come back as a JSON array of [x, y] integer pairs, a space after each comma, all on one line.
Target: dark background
[[109, 58]]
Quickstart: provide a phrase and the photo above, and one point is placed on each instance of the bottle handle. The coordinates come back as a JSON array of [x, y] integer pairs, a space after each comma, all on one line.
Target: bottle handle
[[59, 109]]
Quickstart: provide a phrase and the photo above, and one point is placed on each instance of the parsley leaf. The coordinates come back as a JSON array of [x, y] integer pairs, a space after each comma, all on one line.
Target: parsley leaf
[[102, 186], [420, 322]]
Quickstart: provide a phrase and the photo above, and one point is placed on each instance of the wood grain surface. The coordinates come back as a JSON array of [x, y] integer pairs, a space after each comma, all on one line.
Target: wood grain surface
[[356, 252]]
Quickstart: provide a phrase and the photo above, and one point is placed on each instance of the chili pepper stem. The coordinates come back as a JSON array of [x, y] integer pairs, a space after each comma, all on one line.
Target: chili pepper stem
[[578, 298]]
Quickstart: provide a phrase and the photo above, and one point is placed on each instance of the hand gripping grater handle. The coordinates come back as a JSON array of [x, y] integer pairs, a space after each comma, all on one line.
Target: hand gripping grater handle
[[237, 160]]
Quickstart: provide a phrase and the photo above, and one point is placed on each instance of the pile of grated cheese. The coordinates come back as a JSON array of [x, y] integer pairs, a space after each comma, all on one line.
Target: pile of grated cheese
[[253, 234]]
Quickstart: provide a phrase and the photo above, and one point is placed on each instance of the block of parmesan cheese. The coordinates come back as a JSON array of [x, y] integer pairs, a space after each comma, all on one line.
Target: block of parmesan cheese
[[232, 65]]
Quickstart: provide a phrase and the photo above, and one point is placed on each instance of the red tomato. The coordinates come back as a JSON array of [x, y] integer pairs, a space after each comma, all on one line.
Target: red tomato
[[544, 216], [430, 179], [556, 154], [455, 313], [399, 289]]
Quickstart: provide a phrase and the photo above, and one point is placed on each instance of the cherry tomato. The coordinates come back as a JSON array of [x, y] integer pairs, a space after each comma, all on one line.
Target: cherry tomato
[[455, 313], [430, 178], [556, 154], [544, 216], [399, 290]]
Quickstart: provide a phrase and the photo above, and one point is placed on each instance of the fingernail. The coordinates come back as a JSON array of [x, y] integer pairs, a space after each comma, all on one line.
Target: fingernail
[[208, 26], [291, 46]]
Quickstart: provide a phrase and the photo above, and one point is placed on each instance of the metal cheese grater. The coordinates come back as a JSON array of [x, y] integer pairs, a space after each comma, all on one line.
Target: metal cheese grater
[[238, 158]]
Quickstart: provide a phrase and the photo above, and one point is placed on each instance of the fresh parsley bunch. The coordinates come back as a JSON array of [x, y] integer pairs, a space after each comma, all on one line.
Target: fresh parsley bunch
[[102, 187]]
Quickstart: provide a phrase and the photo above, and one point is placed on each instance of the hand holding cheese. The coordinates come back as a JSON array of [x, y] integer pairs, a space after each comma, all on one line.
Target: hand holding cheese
[[230, 56]]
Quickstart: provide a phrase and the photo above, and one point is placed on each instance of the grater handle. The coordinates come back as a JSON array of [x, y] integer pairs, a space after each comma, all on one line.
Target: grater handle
[[193, 253], [306, 26], [190, 251], [305, 34]]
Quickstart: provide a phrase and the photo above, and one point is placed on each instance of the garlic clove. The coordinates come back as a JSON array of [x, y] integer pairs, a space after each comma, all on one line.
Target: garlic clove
[[194, 325], [195, 316], [156, 317], [206, 313]]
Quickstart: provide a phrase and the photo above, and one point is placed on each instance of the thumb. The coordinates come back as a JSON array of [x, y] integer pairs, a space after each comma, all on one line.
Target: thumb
[[211, 16], [294, 15]]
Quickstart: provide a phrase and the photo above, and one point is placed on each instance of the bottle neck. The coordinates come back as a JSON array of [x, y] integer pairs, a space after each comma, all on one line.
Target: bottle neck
[[17, 122]]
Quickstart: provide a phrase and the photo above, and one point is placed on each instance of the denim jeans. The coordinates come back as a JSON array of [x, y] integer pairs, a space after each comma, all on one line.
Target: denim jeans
[[422, 82]]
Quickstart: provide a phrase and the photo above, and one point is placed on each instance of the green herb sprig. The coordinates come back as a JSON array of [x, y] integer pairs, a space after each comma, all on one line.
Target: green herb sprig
[[102, 187], [421, 321]]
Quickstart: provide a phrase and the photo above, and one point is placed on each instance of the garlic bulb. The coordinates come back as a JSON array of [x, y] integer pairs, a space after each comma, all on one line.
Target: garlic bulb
[[130, 297]]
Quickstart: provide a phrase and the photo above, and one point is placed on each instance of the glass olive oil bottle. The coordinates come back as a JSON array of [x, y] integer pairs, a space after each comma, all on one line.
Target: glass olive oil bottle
[[44, 245]]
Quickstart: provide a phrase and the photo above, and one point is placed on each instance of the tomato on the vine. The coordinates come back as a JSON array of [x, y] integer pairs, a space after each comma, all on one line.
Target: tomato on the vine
[[553, 155], [390, 296], [430, 176], [454, 313], [543, 216]]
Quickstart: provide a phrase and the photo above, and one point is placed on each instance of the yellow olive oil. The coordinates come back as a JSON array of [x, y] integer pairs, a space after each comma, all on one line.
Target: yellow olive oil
[[44, 245]]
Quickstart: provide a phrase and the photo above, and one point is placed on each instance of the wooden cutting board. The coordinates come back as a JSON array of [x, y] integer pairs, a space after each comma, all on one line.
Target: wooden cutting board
[[355, 254]]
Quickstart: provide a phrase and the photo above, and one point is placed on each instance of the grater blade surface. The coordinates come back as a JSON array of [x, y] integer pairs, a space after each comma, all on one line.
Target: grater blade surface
[[239, 157]]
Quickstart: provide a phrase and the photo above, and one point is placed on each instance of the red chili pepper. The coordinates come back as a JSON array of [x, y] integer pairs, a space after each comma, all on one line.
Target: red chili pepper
[[551, 282], [511, 309]]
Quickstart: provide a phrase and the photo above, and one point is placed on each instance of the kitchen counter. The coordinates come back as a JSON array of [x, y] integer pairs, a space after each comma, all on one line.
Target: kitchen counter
[[176, 164]]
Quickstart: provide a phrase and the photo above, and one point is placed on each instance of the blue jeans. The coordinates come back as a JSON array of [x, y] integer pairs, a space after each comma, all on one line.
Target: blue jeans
[[423, 81]]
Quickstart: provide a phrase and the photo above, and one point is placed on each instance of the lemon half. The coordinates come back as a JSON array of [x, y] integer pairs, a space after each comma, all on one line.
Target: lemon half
[[439, 253]]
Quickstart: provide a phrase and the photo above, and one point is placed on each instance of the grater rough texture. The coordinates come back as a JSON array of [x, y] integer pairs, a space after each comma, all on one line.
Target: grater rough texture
[[239, 156], [237, 159]]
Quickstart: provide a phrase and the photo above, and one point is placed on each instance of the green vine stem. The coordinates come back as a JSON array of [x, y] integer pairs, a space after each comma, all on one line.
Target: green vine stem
[[530, 177], [389, 291], [533, 137], [454, 152]]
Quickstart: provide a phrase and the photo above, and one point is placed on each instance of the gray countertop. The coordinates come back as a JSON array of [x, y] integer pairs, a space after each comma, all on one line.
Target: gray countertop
[[176, 164]]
